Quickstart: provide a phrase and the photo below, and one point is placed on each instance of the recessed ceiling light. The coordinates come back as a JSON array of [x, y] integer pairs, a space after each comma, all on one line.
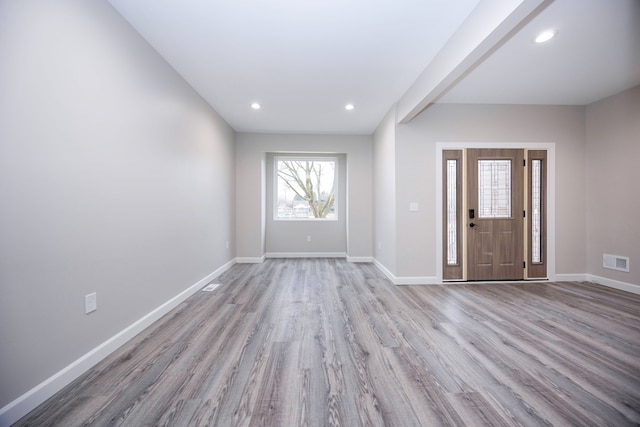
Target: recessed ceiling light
[[349, 107], [255, 106], [545, 36]]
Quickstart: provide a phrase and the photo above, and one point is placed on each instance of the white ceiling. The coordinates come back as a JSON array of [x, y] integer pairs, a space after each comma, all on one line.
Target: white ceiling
[[304, 60], [596, 53]]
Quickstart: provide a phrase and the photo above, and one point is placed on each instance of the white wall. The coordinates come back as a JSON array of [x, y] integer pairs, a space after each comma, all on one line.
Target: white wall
[[613, 176], [251, 152], [115, 178], [416, 177]]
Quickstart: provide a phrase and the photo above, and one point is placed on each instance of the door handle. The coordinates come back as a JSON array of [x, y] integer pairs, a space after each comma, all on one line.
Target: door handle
[[472, 225]]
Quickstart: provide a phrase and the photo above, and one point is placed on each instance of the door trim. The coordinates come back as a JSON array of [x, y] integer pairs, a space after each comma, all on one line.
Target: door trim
[[550, 147]]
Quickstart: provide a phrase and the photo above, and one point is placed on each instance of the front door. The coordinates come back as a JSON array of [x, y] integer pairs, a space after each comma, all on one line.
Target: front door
[[494, 217]]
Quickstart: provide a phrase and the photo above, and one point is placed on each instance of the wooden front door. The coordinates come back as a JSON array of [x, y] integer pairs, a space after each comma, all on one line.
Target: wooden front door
[[494, 217]]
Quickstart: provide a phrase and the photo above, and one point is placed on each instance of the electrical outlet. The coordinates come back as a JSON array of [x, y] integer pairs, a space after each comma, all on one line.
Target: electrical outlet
[[90, 303]]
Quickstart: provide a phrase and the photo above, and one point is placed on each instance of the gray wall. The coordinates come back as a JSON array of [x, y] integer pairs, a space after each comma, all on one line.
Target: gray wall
[[115, 177], [613, 176], [384, 192], [416, 181], [251, 153]]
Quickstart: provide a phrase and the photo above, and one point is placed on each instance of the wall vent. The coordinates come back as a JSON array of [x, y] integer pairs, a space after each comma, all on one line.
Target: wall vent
[[615, 262]]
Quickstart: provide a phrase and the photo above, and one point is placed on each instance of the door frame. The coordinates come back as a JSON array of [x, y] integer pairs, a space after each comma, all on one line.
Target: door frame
[[550, 147], [495, 245]]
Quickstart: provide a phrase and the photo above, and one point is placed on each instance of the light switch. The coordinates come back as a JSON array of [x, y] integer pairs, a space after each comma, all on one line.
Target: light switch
[[90, 303], [413, 207]]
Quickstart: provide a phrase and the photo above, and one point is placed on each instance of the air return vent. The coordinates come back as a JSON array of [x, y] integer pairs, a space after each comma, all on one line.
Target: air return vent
[[211, 287], [615, 262]]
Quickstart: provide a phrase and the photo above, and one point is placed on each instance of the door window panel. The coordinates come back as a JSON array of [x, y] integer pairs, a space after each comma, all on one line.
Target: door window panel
[[494, 188]]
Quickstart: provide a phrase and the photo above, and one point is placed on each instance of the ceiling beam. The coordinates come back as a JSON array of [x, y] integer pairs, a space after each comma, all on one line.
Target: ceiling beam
[[488, 25]]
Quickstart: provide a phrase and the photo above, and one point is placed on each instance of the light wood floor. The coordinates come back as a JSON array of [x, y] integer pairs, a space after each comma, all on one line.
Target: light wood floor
[[321, 342]]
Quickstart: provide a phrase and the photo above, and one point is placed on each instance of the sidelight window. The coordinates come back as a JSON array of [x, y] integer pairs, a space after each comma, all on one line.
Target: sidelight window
[[536, 211], [452, 212]]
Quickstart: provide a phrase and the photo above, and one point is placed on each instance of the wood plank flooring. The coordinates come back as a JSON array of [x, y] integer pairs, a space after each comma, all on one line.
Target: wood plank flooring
[[322, 342]]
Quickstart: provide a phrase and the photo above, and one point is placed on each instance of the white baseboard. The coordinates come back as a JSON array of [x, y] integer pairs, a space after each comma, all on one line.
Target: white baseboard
[[250, 260], [30, 400], [421, 280], [623, 286], [258, 260], [359, 259], [610, 283], [384, 270], [426, 280], [306, 255], [572, 278]]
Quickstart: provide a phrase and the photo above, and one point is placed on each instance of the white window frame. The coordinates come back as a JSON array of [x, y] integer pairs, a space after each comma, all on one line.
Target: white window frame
[[303, 157]]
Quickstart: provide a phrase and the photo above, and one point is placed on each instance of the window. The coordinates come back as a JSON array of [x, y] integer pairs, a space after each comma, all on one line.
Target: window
[[306, 188]]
